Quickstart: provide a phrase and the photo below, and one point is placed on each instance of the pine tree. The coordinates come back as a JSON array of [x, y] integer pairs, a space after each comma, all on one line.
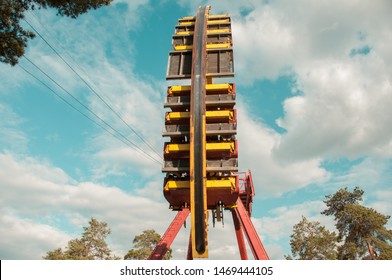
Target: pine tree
[[362, 232], [361, 229]]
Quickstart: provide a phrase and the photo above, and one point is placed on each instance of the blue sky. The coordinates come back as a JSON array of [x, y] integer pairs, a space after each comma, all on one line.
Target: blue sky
[[314, 90]]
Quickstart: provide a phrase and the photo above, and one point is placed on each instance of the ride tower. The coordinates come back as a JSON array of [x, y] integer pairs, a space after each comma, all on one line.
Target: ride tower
[[201, 156]]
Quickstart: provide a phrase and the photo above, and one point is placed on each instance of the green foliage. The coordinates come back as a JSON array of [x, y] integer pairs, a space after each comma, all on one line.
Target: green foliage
[[56, 254], [362, 232], [91, 246], [361, 229], [144, 244], [336, 203], [13, 38], [311, 241], [93, 240]]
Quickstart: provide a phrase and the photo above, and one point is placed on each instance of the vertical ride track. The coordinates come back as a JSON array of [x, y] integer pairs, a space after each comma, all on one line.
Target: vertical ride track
[[197, 132]]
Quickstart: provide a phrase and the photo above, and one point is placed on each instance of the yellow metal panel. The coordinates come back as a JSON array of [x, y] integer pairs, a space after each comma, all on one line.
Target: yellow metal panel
[[223, 146], [210, 31], [223, 20], [222, 183], [170, 116], [220, 114], [175, 185], [228, 182], [219, 46], [216, 31], [184, 32], [173, 116], [218, 16], [174, 90], [189, 18], [222, 87], [209, 46], [183, 47], [175, 148], [186, 23]]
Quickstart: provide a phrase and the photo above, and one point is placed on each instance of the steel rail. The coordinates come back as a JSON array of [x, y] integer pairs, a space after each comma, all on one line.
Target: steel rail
[[197, 133]]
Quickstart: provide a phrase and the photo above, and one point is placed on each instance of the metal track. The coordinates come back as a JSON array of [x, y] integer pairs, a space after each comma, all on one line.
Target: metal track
[[197, 132]]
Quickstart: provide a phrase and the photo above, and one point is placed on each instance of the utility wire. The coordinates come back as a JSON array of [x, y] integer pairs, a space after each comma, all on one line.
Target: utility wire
[[133, 145], [97, 94], [32, 13], [70, 104]]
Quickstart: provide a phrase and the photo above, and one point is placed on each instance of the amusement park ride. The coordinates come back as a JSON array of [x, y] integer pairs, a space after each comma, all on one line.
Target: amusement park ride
[[201, 156]]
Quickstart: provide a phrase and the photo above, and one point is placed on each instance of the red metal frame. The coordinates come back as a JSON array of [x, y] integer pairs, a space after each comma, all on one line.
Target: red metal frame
[[242, 224], [254, 241], [240, 236], [167, 239]]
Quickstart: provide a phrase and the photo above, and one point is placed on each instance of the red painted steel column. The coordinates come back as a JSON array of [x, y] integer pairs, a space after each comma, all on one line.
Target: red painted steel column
[[167, 239], [254, 241], [240, 236]]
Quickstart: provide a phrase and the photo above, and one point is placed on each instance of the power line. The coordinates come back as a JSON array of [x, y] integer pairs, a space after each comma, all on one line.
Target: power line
[[97, 94], [130, 143], [70, 104]]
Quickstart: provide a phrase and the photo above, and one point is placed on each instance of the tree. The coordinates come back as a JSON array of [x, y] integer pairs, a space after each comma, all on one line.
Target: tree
[[338, 201], [361, 229], [311, 241], [14, 38], [144, 244], [91, 246], [362, 232], [93, 239]]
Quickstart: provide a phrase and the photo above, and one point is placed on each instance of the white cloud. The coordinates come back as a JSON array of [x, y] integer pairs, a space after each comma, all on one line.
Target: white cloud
[[139, 104], [344, 111], [344, 101], [27, 239], [383, 202], [35, 193], [271, 175], [11, 137], [133, 11], [265, 55], [278, 226], [112, 75]]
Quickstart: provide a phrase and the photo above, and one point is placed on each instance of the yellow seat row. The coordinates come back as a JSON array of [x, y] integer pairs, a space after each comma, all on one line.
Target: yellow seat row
[[226, 182], [220, 114], [176, 90], [210, 147]]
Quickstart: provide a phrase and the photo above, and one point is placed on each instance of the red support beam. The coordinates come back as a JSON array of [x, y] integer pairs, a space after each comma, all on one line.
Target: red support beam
[[167, 239], [240, 236], [254, 241]]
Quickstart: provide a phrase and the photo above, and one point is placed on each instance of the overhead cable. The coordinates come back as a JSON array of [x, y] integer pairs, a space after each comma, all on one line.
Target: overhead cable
[[94, 91], [124, 140]]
